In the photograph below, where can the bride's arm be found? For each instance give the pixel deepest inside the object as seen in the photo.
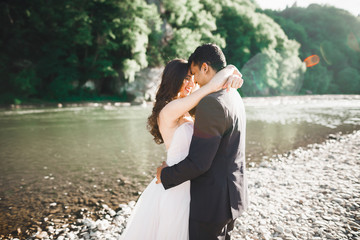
(176, 108)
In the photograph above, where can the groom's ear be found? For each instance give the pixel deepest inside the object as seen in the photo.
(205, 67)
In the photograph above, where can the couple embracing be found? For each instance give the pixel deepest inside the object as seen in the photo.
(201, 188)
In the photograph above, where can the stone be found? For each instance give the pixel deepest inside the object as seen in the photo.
(338, 200)
(42, 235)
(279, 229)
(145, 85)
(112, 212)
(71, 235)
(102, 225)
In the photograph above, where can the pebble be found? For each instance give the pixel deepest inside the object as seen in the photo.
(279, 229)
(42, 235)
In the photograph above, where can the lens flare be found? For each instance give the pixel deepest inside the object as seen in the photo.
(312, 60)
(352, 42)
(323, 53)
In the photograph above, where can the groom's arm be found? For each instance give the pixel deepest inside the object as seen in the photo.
(208, 130)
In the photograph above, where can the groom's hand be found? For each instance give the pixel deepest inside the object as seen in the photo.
(158, 172)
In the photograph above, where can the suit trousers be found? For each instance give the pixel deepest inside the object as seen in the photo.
(210, 231)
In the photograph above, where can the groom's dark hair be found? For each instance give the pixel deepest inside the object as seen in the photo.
(210, 54)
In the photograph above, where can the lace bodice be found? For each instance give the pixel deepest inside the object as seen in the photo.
(180, 143)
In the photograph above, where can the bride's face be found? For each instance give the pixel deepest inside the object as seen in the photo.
(187, 86)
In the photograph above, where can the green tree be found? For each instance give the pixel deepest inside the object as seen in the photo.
(190, 25)
(259, 47)
(333, 34)
(64, 44)
(318, 80)
(348, 80)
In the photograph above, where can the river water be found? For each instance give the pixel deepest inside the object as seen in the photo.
(53, 160)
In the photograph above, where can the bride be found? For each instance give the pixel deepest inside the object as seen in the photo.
(164, 214)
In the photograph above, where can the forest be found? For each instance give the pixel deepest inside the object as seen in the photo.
(77, 50)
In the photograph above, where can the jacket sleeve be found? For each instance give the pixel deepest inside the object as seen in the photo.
(208, 130)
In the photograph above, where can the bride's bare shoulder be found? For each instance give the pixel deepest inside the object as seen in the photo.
(167, 115)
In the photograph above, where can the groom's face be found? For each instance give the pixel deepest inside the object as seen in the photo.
(203, 74)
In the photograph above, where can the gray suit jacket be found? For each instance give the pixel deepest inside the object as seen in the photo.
(216, 161)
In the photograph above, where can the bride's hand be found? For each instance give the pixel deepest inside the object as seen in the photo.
(226, 78)
(234, 81)
(220, 78)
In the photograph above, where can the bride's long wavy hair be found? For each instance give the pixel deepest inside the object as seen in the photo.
(171, 81)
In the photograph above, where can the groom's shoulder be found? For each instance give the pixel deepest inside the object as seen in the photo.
(212, 98)
(209, 108)
(210, 101)
(217, 95)
(224, 97)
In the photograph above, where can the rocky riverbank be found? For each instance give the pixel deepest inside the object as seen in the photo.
(308, 193)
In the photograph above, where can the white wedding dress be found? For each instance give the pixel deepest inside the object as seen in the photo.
(162, 214)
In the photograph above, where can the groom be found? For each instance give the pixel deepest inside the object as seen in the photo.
(216, 161)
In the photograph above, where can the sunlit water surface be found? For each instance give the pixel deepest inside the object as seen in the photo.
(71, 140)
